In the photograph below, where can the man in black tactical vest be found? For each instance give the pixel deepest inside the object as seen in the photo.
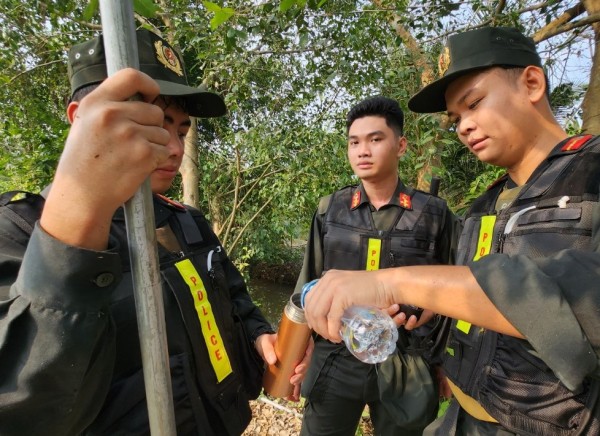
(522, 348)
(69, 351)
(379, 223)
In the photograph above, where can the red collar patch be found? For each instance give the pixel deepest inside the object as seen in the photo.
(355, 200)
(575, 143)
(405, 201)
(172, 203)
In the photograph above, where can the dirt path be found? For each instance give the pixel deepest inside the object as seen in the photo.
(276, 417)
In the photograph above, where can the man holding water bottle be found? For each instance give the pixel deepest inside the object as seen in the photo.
(522, 351)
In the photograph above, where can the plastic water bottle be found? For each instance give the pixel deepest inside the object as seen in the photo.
(369, 333)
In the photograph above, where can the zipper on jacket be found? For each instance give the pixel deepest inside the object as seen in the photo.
(209, 266)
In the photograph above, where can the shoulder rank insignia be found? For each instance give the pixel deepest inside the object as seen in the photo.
(174, 204)
(355, 200)
(405, 201)
(575, 143)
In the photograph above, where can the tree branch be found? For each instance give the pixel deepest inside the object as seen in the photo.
(284, 52)
(487, 22)
(595, 18)
(499, 8)
(252, 184)
(231, 216)
(551, 28)
(533, 7)
(241, 232)
(29, 70)
(412, 45)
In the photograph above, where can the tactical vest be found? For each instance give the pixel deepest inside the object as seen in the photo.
(501, 372)
(350, 238)
(352, 242)
(214, 368)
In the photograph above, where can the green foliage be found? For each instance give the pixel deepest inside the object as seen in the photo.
(146, 8)
(289, 70)
(221, 15)
(33, 84)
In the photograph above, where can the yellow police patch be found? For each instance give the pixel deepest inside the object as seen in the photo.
(210, 331)
(484, 242)
(373, 254)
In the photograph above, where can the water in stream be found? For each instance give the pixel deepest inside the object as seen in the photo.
(271, 298)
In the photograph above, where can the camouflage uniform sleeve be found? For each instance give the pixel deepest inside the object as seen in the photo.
(56, 336)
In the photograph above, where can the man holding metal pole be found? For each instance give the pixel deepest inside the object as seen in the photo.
(69, 352)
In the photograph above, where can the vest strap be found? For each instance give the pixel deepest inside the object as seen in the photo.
(190, 229)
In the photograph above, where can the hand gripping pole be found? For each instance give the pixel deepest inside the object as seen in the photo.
(120, 45)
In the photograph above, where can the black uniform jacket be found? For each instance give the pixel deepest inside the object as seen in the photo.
(69, 351)
(542, 272)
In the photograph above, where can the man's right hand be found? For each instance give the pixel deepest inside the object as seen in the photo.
(114, 144)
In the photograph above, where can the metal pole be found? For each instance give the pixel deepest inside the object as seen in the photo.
(121, 50)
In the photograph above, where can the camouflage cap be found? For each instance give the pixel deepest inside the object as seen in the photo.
(87, 65)
(475, 50)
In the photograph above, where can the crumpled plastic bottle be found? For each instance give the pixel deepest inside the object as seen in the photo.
(369, 333)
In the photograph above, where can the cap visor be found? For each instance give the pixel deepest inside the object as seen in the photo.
(200, 103)
(432, 98)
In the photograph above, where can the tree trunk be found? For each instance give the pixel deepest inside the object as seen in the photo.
(428, 75)
(591, 101)
(189, 167)
(215, 209)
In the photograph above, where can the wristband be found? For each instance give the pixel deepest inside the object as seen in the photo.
(305, 290)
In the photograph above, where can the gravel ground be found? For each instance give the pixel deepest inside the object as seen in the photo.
(277, 417)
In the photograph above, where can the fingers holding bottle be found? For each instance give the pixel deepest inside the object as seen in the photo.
(338, 290)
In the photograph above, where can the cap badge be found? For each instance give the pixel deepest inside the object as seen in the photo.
(444, 61)
(168, 58)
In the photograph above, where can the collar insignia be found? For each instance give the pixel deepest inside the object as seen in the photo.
(172, 203)
(355, 200)
(168, 58)
(444, 61)
(575, 143)
(405, 201)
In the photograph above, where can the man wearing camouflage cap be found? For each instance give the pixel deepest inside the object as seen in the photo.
(522, 351)
(70, 356)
